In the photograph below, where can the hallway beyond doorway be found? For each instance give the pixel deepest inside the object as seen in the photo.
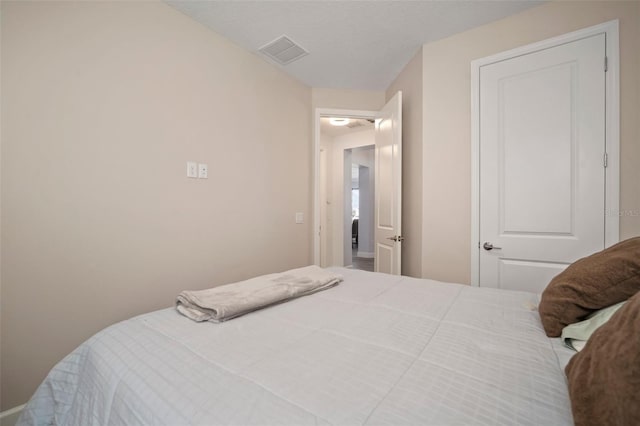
(362, 263)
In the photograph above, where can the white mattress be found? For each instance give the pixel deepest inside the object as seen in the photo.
(376, 350)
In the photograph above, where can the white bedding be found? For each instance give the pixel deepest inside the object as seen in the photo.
(375, 350)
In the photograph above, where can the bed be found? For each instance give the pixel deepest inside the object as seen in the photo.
(376, 349)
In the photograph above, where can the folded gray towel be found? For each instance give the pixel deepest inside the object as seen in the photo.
(232, 300)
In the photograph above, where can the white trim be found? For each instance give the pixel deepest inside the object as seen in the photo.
(13, 413)
(612, 135)
(475, 173)
(612, 130)
(320, 112)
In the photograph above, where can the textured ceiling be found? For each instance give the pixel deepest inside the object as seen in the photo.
(360, 45)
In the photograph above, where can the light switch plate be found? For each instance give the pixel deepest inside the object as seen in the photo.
(299, 217)
(192, 169)
(203, 171)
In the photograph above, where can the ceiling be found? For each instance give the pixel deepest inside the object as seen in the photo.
(359, 45)
(355, 125)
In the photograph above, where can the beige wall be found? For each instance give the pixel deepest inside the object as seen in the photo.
(446, 121)
(347, 99)
(102, 105)
(409, 81)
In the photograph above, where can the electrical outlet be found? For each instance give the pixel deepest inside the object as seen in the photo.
(203, 171)
(192, 169)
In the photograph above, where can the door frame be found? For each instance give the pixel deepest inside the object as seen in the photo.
(323, 112)
(612, 130)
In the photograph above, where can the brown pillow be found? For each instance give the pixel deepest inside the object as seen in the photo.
(604, 378)
(591, 283)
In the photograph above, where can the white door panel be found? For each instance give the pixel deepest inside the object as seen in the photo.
(512, 271)
(542, 142)
(384, 258)
(388, 188)
(536, 156)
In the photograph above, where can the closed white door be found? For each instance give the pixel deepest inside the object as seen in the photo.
(542, 159)
(388, 188)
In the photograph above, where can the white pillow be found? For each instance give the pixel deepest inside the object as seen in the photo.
(575, 335)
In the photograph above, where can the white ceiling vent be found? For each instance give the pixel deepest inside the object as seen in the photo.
(283, 50)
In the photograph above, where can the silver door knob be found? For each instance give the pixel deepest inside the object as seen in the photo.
(396, 238)
(489, 246)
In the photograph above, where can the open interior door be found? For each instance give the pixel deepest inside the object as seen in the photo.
(388, 188)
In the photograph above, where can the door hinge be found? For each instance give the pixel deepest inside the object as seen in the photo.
(606, 64)
(605, 160)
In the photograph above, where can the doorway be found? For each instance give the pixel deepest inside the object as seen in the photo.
(346, 191)
(328, 228)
